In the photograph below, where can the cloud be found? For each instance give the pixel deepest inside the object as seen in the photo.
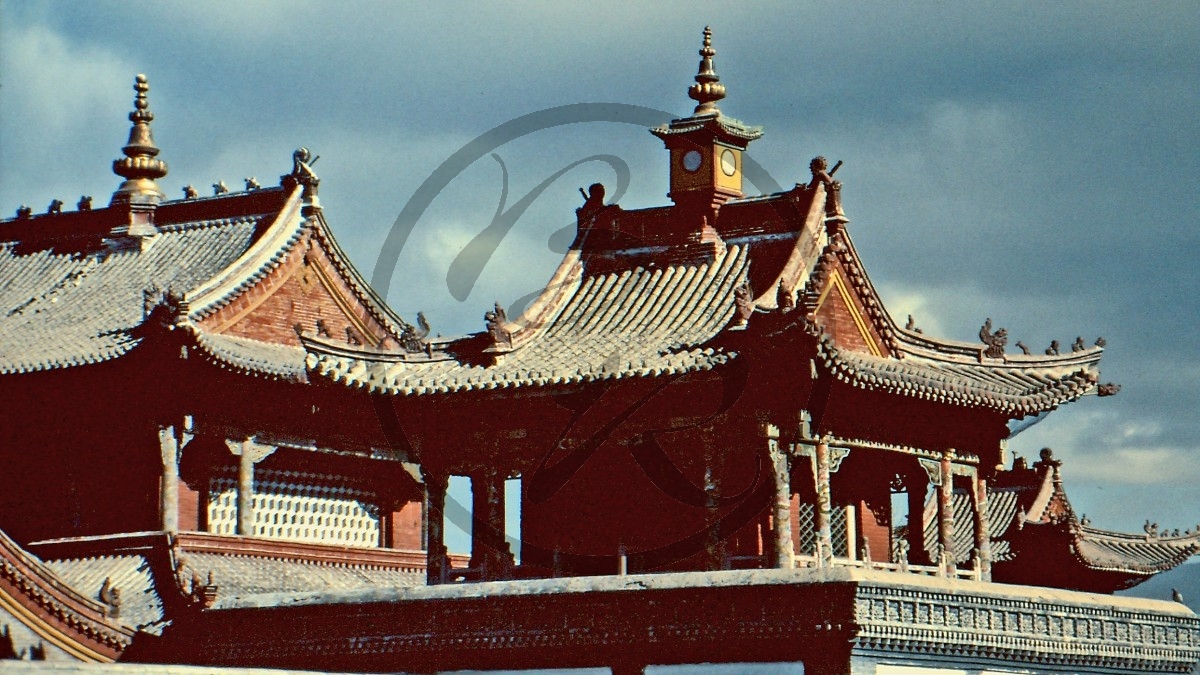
(1100, 448)
(55, 90)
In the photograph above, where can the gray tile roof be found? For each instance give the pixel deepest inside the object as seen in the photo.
(639, 321)
(1015, 386)
(722, 125)
(77, 610)
(236, 575)
(252, 356)
(239, 576)
(1102, 549)
(1002, 506)
(130, 574)
(62, 308)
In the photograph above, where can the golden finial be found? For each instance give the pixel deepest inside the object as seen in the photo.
(139, 167)
(708, 88)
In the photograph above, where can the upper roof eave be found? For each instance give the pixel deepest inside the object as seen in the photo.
(248, 356)
(259, 259)
(1107, 550)
(367, 294)
(1009, 390)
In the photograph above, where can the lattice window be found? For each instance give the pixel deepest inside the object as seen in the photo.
(298, 507)
(806, 530)
(837, 525)
(806, 524)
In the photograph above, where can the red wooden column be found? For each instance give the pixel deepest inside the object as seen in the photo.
(781, 503)
(489, 551)
(983, 537)
(824, 506)
(716, 548)
(946, 514)
(436, 559)
(479, 519)
(917, 484)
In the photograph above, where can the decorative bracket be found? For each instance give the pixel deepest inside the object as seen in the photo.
(933, 469)
(255, 451)
(809, 450)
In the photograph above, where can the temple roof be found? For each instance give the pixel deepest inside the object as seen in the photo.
(638, 321)
(71, 295)
(1002, 507)
(253, 357)
(153, 571)
(1036, 534)
(640, 296)
(1124, 552)
(75, 290)
(1050, 541)
(722, 127)
(1015, 386)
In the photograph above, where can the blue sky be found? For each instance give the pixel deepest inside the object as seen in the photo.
(1034, 163)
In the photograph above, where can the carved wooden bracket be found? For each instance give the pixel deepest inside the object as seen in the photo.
(257, 452)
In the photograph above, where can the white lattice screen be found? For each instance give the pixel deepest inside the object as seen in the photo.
(298, 507)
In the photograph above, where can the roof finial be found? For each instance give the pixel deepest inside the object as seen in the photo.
(139, 167)
(708, 88)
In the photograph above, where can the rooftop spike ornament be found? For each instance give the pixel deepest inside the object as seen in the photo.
(139, 167)
(708, 88)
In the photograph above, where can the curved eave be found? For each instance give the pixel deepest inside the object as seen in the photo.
(388, 378)
(563, 284)
(1009, 389)
(55, 611)
(906, 343)
(370, 299)
(263, 256)
(248, 357)
(1120, 552)
(949, 351)
(81, 359)
(725, 128)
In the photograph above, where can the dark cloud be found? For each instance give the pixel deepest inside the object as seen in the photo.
(1033, 163)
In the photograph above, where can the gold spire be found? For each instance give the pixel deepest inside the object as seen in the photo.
(708, 88)
(139, 167)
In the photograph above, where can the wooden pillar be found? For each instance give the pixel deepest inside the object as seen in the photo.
(918, 490)
(245, 496)
(249, 453)
(824, 507)
(782, 548)
(488, 547)
(502, 558)
(983, 537)
(436, 560)
(716, 549)
(479, 507)
(946, 514)
(168, 444)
